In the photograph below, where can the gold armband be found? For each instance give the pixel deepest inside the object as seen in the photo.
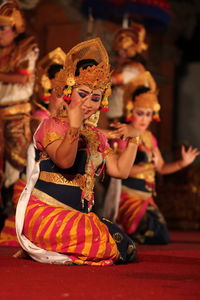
(148, 166)
(107, 152)
(134, 140)
(73, 134)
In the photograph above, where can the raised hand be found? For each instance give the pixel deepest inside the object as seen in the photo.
(188, 156)
(75, 112)
(124, 131)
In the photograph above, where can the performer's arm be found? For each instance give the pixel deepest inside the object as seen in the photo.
(188, 156)
(13, 77)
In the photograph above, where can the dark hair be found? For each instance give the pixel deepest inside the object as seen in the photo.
(84, 64)
(21, 36)
(140, 90)
(53, 69)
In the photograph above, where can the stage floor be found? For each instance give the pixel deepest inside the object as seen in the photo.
(170, 272)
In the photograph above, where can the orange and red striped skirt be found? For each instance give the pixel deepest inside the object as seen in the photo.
(82, 237)
(131, 210)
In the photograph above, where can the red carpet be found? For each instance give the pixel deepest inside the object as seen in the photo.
(170, 272)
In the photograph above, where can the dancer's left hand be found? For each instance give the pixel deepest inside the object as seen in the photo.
(188, 156)
(124, 131)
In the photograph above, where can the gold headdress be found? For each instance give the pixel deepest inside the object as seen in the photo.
(131, 39)
(95, 77)
(147, 99)
(10, 14)
(43, 82)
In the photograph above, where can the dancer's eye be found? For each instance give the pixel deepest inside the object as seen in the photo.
(140, 113)
(96, 98)
(82, 94)
(4, 28)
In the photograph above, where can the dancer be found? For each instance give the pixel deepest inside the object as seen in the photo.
(53, 219)
(45, 103)
(18, 55)
(43, 106)
(138, 214)
(129, 45)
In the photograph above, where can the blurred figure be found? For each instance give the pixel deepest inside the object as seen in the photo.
(44, 100)
(44, 106)
(129, 44)
(138, 214)
(18, 55)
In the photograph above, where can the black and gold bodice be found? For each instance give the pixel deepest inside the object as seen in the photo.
(73, 186)
(143, 181)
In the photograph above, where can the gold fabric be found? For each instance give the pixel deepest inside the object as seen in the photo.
(17, 137)
(16, 134)
(146, 139)
(64, 179)
(94, 159)
(49, 200)
(23, 108)
(95, 77)
(16, 54)
(148, 173)
(51, 137)
(85, 182)
(133, 192)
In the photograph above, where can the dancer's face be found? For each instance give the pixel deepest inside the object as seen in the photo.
(141, 118)
(92, 99)
(7, 35)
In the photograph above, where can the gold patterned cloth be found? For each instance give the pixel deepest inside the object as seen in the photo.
(15, 108)
(138, 214)
(17, 137)
(91, 140)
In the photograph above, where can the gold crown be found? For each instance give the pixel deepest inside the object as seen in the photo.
(147, 99)
(10, 14)
(43, 82)
(143, 79)
(134, 36)
(95, 77)
(57, 56)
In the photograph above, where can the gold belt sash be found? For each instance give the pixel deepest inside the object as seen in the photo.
(64, 179)
(147, 175)
(134, 192)
(84, 182)
(49, 200)
(22, 108)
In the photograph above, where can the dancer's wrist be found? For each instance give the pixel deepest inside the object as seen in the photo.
(73, 134)
(134, 140)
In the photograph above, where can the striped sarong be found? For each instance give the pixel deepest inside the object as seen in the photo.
(131, 210)
(8, 236)
(82, 237)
